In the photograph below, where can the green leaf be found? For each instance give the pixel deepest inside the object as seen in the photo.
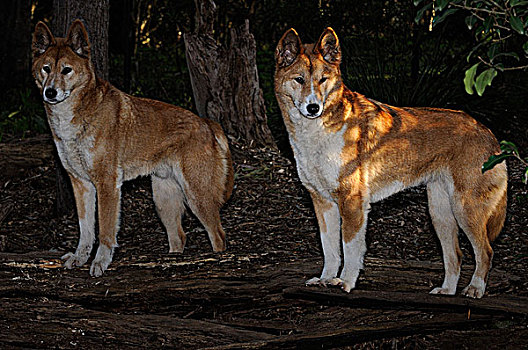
(509, 147)
(443, 16)
(494, 160)
(469, 79)
(517, 24)
(470, 21)
(509, 54)
(474, 50)
(525, 48)
(525, 178)
(12, 114)
(484, 79)
(518, 3)
(417, 2)
(488, 23)
(492, 52)
(421, 12)
(441, 4)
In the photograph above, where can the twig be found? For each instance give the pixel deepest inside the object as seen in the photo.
(472, 9)
(502, 69)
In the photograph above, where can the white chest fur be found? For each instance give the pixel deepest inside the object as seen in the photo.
(74, 148)
(318, 154)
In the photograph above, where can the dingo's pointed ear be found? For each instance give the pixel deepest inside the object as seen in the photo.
(42, 39)
(288, 49)
(77, 39)
(328, 46)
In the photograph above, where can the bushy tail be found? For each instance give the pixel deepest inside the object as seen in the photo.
(226, 155)
(497, 218)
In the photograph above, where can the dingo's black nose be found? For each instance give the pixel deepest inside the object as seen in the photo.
(312, 108)
(50, 93)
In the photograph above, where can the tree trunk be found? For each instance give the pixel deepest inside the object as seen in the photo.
(95, 16)
(15, 23)
(225, 79)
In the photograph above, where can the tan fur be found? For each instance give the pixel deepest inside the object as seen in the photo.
(321, 206)
(105, 137)
(353, 151)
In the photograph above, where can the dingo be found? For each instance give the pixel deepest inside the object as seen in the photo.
(352, 151)
(105, 137)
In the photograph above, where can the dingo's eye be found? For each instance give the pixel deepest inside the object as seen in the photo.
(300, 80)
(66, 70)
(46, 69)
(323, 79)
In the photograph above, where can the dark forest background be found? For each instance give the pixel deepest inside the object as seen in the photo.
(387, 55)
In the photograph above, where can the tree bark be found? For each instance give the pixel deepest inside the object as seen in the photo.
(225, 79)
(95, 16)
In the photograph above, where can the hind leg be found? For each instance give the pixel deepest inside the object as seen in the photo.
(168, 197)
(483, 256)
(201, 175)
(209, 215)
(446, 229)
(475, 228)
(207, 209)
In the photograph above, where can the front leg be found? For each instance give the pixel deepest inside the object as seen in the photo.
(84, 192)
(327, 213)
(108, 200)
(354, 210)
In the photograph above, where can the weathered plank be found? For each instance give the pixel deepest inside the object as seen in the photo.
(50, 324)
(517, 306)
(322, 337)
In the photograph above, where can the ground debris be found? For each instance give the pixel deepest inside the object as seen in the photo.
(252, 295)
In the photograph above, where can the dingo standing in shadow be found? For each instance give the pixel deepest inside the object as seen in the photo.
(105, 137)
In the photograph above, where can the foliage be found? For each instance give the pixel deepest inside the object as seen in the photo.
(22, 112)
(387, 55)
(508, 150)
(415, 70)
(161, 73)
(500, 30)
(152, 45)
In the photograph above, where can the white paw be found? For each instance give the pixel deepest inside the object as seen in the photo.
(444, 291)
(72, 260)
(473, 292)
(316, 281)
(347, 286)
(103, 258)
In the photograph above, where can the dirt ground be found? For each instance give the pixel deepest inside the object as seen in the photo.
(252, 295)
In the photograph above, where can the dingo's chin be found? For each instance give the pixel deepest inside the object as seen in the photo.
(310, 116)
